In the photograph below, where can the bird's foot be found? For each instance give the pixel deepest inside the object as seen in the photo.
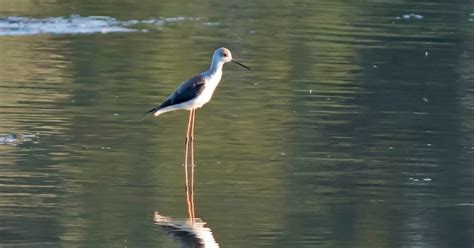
(188, 165)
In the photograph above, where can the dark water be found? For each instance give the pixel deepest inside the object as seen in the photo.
(355, 127)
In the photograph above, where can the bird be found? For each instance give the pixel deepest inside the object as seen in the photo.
(195, 93)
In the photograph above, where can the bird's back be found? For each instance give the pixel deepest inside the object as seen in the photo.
(187, 91)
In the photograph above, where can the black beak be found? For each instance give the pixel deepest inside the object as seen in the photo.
(244, 66)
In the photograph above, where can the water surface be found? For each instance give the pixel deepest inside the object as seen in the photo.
(354, 129)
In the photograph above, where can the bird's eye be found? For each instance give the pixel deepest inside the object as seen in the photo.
(225, 55)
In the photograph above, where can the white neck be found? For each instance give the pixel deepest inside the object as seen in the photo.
(216, 67)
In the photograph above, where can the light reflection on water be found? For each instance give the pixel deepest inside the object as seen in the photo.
(76, 24)
(354, 128)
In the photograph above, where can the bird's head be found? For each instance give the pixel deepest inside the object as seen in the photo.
(224, 55)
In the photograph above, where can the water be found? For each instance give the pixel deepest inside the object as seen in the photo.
(354, 129)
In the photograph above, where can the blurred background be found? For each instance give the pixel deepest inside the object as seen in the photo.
(355, 127)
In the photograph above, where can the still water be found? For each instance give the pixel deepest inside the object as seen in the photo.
(355, 127)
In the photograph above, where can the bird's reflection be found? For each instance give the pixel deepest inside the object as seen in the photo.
(190, 232)
(187, 233)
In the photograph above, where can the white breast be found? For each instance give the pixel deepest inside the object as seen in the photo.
(211, 84)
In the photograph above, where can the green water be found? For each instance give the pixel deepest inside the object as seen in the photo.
(355, 127)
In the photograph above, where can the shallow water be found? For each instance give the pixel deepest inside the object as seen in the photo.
(354, 129)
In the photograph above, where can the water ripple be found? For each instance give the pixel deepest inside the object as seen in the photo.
(15, 139)
(76, 24)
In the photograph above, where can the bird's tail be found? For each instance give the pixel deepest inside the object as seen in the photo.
(151, 110)
(157, 111)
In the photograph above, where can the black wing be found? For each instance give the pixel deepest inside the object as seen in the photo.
(188, 90)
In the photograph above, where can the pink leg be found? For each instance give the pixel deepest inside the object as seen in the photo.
(187, 188)
(186, 145)
(192, 136)
(192, 162)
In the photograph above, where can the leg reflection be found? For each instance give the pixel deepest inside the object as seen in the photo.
(192, 232)
(190, 203)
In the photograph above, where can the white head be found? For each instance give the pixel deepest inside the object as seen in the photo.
(223, 55)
